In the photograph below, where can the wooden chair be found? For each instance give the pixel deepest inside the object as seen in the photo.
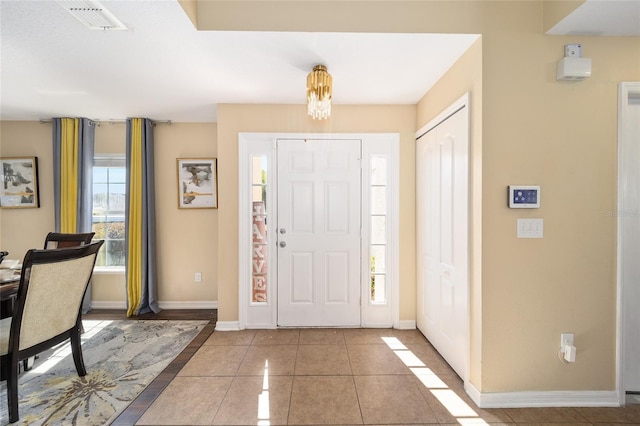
(55, 240)
(48, 310)
(61, 240)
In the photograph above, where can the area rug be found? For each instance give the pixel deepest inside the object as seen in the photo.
(121, 357)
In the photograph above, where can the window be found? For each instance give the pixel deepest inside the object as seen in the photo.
(109, 184)
(378, 239)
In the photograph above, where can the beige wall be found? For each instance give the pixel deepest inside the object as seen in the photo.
(186, 239)
(562, 136)
(234, 119)
(23, 229)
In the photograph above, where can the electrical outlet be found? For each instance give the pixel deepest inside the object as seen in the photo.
(567, 348)
(198, 277)
(566, 339)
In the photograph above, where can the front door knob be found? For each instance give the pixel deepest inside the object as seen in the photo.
(283, 244)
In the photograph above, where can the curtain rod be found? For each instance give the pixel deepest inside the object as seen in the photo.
(98, 122)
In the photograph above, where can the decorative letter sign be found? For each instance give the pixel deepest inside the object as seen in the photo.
(259, 254)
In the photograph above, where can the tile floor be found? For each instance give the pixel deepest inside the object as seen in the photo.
(339, 377)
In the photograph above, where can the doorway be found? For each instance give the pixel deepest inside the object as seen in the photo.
(318, 230)
(442, 176)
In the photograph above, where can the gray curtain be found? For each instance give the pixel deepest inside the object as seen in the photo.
(141, 278)
(84, 207)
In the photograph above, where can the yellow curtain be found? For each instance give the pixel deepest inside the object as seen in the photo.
(69, 175)
(134, 257)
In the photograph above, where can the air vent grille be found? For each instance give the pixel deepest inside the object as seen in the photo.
(92, 14)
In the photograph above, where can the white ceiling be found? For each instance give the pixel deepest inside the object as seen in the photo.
(162, 68)
(601, 17)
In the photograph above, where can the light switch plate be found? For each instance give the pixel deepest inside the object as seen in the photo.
(530, 228)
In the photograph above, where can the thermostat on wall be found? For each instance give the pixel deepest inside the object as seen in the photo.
(524, 197)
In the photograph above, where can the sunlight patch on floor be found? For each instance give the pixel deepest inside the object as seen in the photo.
(63, 350)
(263, 398)
(464, 414)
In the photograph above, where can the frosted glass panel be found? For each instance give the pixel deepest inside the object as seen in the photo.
(259, 179)
(259, 170)
(378, 259)
(378, 200)
(378, 229)
(378, 288)
(378, 171)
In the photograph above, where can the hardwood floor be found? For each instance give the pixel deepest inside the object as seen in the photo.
(138, 407)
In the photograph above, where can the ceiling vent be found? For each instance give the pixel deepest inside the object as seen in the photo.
(92, 14)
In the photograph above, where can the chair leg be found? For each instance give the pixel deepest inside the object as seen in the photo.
(12, 390)
(76, 350)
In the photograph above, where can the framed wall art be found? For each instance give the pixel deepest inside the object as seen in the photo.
(197, 183)
(19, 182)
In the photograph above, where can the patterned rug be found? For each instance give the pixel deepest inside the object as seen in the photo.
(121, 357)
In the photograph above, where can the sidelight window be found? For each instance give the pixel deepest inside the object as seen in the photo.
(379, 235)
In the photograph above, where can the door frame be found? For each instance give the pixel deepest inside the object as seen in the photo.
(263, 315)
(625, 89)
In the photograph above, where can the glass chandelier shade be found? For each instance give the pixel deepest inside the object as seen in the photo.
(319, 85)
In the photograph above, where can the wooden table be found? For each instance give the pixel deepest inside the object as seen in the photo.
(8, 294)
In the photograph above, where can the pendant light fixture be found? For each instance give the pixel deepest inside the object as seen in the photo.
(319, 85)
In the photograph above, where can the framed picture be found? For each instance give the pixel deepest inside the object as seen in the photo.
(197, 183)
(19, 182)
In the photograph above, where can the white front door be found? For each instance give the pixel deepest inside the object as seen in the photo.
(442, 237)
(318, 232)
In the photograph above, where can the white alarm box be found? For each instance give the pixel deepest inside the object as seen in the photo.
(572, 68)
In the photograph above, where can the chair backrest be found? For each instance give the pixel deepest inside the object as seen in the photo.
(61, 240)
(52, 286)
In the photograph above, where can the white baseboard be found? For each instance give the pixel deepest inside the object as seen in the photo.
(406, 325)
(213, 304)
(227, 326)
(542, 398)
(97, 304)
(261, 326)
